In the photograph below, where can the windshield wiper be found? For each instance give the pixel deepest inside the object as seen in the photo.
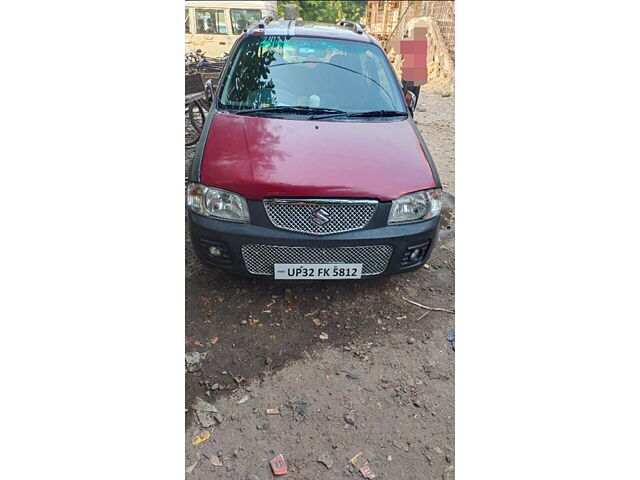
(289, 109)
(372, 113)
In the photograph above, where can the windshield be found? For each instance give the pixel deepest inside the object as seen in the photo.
(276, 71)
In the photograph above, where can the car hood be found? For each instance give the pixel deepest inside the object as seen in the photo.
(261, 157)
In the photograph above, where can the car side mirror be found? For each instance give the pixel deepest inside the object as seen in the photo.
(410, 100)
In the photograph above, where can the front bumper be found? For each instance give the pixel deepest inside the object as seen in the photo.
(229, 239)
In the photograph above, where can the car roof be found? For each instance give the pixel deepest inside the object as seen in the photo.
(310, 29)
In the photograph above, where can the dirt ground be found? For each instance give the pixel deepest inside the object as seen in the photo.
(350, 365)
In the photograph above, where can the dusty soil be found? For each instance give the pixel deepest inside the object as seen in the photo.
(381, 383)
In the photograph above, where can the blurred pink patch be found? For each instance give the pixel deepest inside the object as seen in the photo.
(414, 56)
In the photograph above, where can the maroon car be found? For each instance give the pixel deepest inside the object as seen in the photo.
(310, 165)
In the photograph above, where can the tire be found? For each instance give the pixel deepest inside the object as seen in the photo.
(205, 104)
(194, 123)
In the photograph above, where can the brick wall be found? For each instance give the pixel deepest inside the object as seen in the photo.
(445, 15)
(389, 20)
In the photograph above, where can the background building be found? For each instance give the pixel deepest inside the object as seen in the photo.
(391, 20)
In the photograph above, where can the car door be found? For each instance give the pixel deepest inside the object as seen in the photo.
(212, 31)
(189, 29)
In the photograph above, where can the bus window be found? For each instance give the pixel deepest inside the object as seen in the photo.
(210, 21)
(241, 18)
(186, 21)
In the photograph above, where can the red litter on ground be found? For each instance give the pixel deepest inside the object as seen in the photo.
(366, 472)
(278, 466)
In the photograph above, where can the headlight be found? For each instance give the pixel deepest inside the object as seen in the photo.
(416, 206)
(217, 203)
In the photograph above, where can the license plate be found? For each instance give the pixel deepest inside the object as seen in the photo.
(310, 271)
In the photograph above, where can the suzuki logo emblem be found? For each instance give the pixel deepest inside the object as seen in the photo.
(321, 216)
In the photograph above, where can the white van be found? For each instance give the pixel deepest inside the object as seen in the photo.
(214, 26)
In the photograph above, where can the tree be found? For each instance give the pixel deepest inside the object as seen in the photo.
(327, 12)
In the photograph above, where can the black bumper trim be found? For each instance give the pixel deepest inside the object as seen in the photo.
(206, 230)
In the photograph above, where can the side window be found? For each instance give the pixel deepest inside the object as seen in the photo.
(241, 18)
(186, 21)
(210, 21)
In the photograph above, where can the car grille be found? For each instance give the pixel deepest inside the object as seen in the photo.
(320, 217)
(260, 259)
